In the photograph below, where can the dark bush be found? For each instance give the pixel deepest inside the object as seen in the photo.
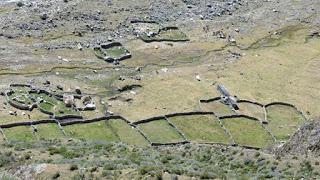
(20, 4)
(73, 167)
(56, 175)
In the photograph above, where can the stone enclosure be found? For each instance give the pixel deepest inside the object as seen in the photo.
(112, 52)
(254, 125)
(150, 31)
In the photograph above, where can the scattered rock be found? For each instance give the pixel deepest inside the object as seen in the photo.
(305, 141)
(198, 77)
(44, 16)
(60, 87)
(220, 34)
(79, 46)
(133, 92)
(65, 60)
(13, 113)
(109, 112)
(110, 38)
(231, 40)
(129, 87)
(86, 100)
(164, 70)
(47, 82)
(90, 106)
(121, 78)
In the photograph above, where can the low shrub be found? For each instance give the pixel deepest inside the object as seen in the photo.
(56, 175)
(73, 167)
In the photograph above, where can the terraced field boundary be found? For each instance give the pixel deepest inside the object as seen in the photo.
(289, 105)
(71, 121)
(264, 122)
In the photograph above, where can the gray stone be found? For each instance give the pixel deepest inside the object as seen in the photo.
(60, 87)
(68, 100)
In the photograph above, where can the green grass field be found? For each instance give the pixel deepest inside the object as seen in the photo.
(46, 106)
(115, 52)
(283, 121)
(21, 133)
(1, 137)
(201, 129)
(217, 107)
(49, 131)
(248, 132)
(61, 109)
(97, 131)
(126, 133)
(160, 132)
(251, 110)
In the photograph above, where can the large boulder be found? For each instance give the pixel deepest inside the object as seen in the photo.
(68, 100)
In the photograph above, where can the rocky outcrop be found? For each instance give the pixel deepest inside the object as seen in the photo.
(305, 141)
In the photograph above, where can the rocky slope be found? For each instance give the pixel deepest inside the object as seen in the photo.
(306, 141)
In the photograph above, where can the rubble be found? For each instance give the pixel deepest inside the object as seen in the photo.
(68, 100)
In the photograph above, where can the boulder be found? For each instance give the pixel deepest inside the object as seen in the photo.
(90, 106)
(86, 100)
(68, 100)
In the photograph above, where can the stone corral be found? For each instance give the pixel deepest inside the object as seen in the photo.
(169, 33)
(58, 106)
(112, 52)
(237, 128)
(150, 31)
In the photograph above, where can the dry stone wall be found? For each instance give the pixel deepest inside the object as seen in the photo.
(71, 120)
